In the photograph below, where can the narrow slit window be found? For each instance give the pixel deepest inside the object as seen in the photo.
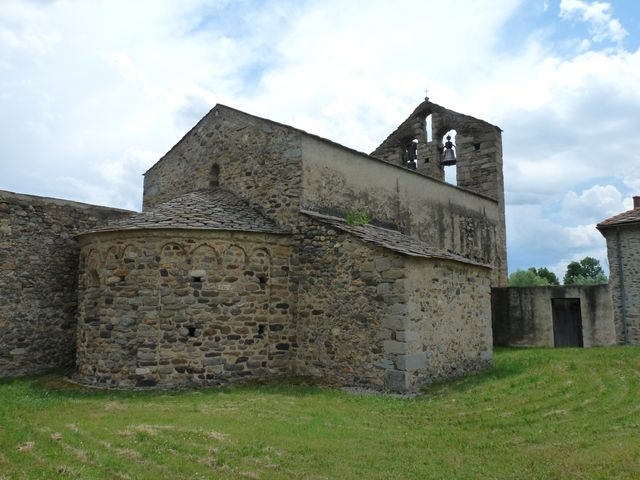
(214, 176)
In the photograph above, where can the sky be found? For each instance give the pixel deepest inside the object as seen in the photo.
(93, 92)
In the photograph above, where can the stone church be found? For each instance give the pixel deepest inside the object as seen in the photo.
(263, 250)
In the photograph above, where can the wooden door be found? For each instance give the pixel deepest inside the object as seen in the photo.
(567, 322)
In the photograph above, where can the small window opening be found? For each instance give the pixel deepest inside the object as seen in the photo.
(476, 146)
(429, 127)
(94, 278)
(192, 331)
(214, 176)
(260, 329)
(196, 279)
(262, 279)
(410, 155)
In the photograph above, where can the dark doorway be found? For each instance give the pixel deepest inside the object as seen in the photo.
(567, 322)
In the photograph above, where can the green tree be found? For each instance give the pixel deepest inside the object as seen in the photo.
(544, 272)
(526, 278)
(585, 272)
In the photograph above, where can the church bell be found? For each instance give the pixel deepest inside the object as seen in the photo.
(449, 156)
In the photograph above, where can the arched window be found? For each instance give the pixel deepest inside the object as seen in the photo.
(449, 156)
(429, 127)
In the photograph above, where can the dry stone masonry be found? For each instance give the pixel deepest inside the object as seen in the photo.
(176, 308)
(38, 279)
(242, 263)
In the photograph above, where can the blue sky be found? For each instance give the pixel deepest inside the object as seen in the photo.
(92, 93)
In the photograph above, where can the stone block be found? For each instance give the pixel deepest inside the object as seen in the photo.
(412, 361)
(399, 308)
(383, 264)
(383, 288)
(384, 363)
(393, 346)
(395, 322)
(397, 381)
(393, 274)
(407, 336)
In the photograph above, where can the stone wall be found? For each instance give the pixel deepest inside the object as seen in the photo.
(627, 249)
(443, 216)
(38, 279)
(348, 294)
(183, 308)
(254, 158)
(370, 316)
(448, 329)
(523, 316)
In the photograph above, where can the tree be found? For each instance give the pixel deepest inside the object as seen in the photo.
(526, 278)
(544, 272)
(585, 272)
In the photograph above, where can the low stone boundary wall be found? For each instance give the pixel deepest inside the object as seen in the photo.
(38, 279)
(523, 316)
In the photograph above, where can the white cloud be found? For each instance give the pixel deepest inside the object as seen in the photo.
(567, 121)
(537, 241)
(360, 72)
(594, 204)
(597, 14)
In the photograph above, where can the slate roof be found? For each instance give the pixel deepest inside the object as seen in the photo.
(392, 239)
(215, 209)
(630, 216)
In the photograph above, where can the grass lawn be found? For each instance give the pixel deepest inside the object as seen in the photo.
(539, 413)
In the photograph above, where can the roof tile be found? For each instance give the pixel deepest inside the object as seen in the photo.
(215, 209)
(392, 239)
(630, 216)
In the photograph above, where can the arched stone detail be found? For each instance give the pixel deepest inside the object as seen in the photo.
(260, 256)
(234, 257)
(172, 252)
(130, 254)
(112, 257)
(205, 254)
(92, 270)
(205, 265)
(259, 265)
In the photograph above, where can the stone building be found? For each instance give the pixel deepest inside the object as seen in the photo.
(246, 261)
(622, 233)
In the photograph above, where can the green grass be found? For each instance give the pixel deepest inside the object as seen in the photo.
(540, 413)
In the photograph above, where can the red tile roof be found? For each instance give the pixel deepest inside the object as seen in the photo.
(630, 216)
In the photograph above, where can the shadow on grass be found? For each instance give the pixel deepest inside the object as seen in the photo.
(57, 384)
